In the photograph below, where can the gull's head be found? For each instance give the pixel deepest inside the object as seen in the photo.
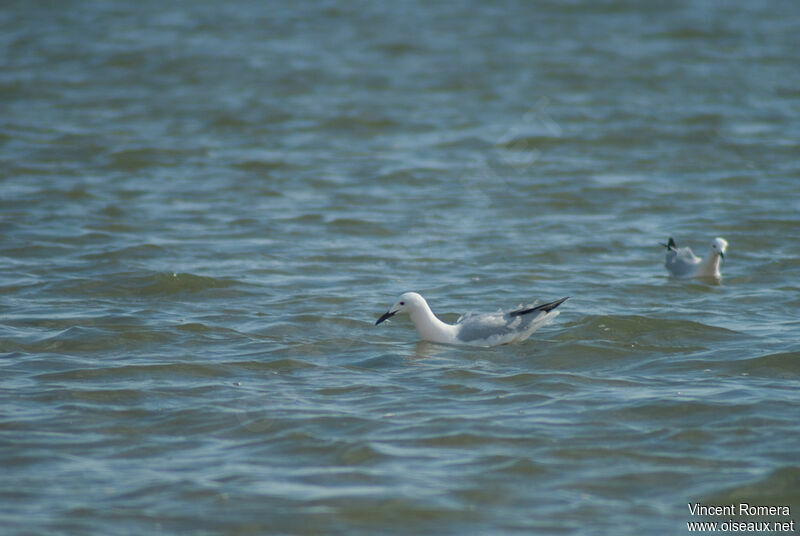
(407, 303)
(718, 246)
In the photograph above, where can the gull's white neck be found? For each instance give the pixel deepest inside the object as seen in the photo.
(709, 267)
(431, 328)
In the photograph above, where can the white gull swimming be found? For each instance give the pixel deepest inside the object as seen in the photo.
(683, 263)
(484, 329)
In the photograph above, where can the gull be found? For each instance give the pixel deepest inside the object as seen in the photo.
(485, 329)
(682, 263)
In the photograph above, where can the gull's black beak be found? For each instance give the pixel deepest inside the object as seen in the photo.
(721, 254)
(384, 316)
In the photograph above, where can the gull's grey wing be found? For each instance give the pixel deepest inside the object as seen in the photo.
(475, 327)
(504, 326)
(681, 261)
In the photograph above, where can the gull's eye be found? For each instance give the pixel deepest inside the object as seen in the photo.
(402, 303)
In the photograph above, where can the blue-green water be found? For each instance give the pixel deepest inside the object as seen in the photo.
(205, 207)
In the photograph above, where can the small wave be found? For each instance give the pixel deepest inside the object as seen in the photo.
(654, 333)
(132, 372)
(358, 123)
(139, 251)
(185, 282)
(282, 365)
(76, 193)
(527, 143)
(152, 284)
(464, 142)
(225, 121)
(781, 487)
(261, 166)
(73, 340)
(396, 49)
(779, 365)
(358, 227)
(137, 159)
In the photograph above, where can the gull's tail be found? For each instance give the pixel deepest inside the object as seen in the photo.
(545, 307)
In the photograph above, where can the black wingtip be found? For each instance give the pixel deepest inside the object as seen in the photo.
(546, 307)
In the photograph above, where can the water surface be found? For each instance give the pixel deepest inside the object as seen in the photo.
(206, 207)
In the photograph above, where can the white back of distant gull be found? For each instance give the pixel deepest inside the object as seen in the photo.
(683, 263)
